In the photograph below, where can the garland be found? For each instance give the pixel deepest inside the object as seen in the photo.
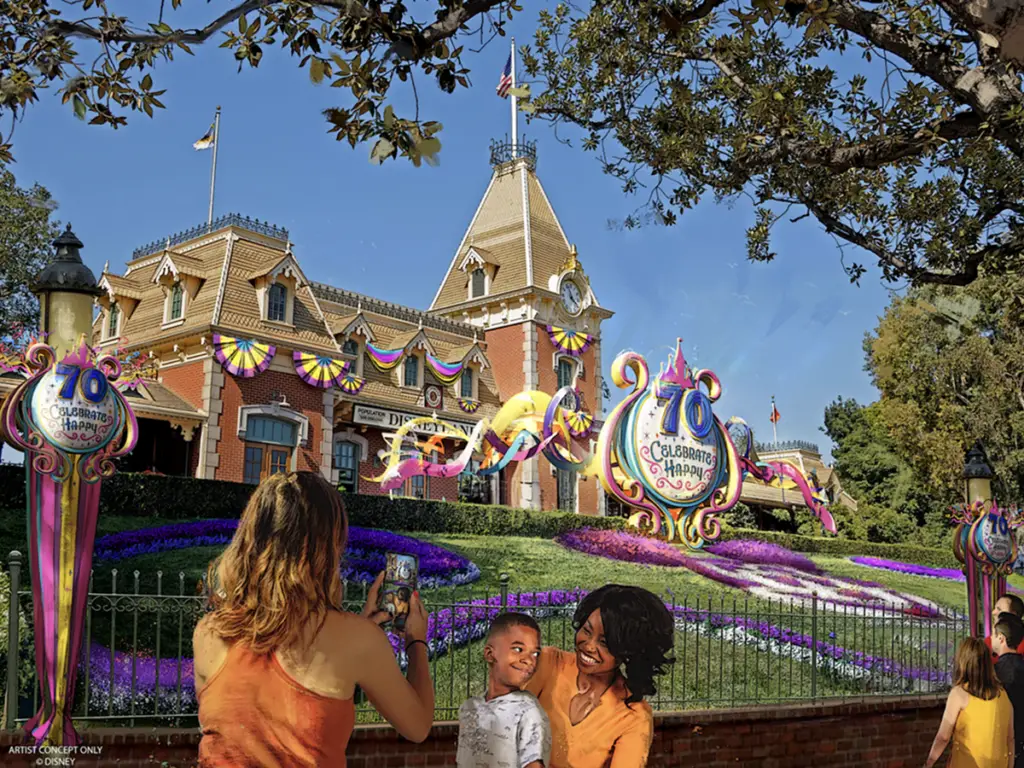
(573, 343)
(446, 373)
(242, 357)
(384, 359)
(317, 371)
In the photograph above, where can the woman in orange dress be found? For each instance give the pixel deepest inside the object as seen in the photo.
(595, 696)
(277, 660)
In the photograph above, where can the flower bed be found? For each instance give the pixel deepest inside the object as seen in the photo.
(364, 556)
(763, 553)
(452, 628)
(619, 545)
(952, 574)
(750, 570)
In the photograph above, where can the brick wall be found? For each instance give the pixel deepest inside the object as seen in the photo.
(879, 733)
(260, 390)
(186, 381)
(505, 354)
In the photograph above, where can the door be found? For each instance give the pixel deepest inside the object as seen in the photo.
(566, 490)
(262, 461)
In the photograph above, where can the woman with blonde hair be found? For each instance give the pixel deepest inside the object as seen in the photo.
(277, 660)
(978, 717)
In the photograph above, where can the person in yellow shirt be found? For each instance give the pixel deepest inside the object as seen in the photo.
(595, 697)
(978, 717)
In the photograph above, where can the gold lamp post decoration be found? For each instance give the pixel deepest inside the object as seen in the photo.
(984, 541)
(66, 289)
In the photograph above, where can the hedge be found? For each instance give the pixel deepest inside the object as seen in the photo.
(138, 495)
(908, 553)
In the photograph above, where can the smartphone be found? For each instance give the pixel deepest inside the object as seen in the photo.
(401, 572)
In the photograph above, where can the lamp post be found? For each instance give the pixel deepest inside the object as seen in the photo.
(66, 289)
(978, 475)
(71, 422)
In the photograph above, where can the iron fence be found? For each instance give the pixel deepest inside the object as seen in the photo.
(136, 661)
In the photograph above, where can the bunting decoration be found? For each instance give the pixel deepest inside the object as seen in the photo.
(467, 405)
(318, 371)
(242, 357)
(446, 373)
(384, 359)
(351, 384)
(72, 423)
(579, 423)
(572, 343)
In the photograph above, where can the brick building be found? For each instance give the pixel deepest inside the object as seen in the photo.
(227, 318)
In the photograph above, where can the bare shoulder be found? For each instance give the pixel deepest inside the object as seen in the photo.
(208, 649)
(351, 632)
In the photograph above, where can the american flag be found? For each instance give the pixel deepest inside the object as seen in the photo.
(506, 78)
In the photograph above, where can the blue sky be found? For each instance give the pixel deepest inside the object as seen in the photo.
(792, 328)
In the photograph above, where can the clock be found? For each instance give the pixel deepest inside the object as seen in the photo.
(572, 297)
(433, 396)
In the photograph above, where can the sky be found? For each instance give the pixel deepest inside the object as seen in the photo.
(792, 328)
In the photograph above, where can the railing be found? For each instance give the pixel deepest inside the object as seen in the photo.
(505, 151)
(728, 652)
(228, 220)
(787, 445)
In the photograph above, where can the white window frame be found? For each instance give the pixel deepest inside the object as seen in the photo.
(475, 394)
(287, 302)
(107, 335)
(420, 360)
(169, 303)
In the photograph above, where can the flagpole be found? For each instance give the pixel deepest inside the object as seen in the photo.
(515, 104)
(213, 170)
(775, 435)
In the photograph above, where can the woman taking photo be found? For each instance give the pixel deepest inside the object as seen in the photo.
(978, 717)
(595, 697)
(277, 660)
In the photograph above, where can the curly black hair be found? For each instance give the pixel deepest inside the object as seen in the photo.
(638, 630)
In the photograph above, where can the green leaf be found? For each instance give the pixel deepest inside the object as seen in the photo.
(520, 91)
(79, 106)
(381, 151)
(316, 71)
(528, 107)
(389, 117)
(428, 147)
(147, 83)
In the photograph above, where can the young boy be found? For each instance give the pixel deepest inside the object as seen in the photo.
(506, 728)
(1007, 636)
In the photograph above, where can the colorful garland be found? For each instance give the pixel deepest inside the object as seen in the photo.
(384, 359)
(242, 357)
(468, 405)
(446, 373)
(317, 371)
(573, 343)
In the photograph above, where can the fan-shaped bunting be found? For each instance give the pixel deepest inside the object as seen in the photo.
(572, 343)
(467, 405)
(579, 423)
(242, 357)
(351, 384)
(318, 371)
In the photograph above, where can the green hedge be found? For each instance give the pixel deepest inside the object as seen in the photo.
(137, 495)
(907, 553)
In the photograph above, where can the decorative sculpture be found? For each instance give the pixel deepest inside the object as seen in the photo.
(985, 542)
(71, 421)
(662, 450)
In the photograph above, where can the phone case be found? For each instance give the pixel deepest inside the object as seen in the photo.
(400, 576)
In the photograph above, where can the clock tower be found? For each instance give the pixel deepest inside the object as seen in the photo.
(516, 276)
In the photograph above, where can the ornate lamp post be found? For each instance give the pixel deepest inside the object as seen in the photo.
(71, 421)
(984, 541)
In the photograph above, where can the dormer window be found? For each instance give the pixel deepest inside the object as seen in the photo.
(411, 371)
(113, 321)
(175, 302)
(479, 283)
(277, 303)
(466, 385)
(350, 347)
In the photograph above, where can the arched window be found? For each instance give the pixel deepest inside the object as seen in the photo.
(277, 303)
(479, 282)
(113, 319)
(346, 460)
(466, 388)
(177, 301)
(566, 376)
(411, 371)
(350, 347)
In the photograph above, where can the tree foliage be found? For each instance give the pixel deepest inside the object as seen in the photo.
(26, 237)
(104, 64)
(950, 366)
(895, 124)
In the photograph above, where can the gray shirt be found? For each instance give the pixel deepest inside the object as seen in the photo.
(510, 731)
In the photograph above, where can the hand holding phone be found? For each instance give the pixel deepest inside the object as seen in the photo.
(401, 575)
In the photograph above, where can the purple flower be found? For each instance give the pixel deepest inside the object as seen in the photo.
(364, 555)
(763, 553)
(619, 545)
(912, 568)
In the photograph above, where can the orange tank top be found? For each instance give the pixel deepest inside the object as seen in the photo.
(253, 714)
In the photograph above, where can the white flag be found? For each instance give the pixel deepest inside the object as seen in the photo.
(207, 141)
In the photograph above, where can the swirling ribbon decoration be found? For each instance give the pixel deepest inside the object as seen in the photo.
(319, 371)
(242, 357)
(82, 424)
